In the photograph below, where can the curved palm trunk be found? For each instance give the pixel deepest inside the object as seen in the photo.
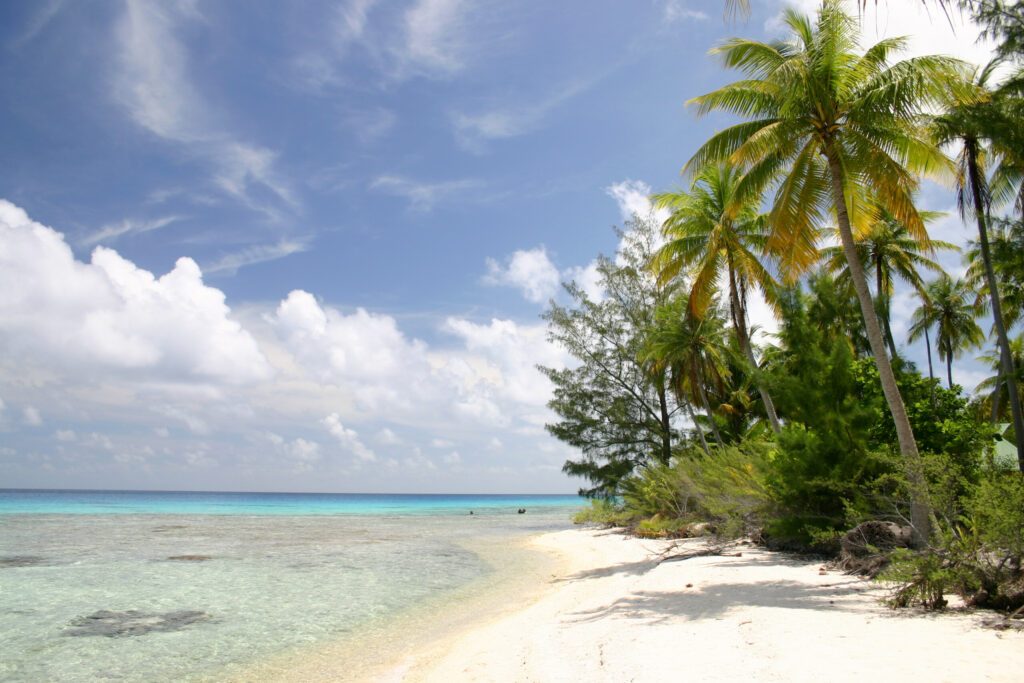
(920, 512)
(1005, 357)
(738, 305)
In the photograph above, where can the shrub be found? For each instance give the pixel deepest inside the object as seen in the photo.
(604, 513)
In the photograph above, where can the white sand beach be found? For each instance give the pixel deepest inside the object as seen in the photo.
(600, 606)
(613, 613)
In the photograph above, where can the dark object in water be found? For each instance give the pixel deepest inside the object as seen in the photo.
(133, 622)
(22, 561)
(521, 511)
(190, 558)
(470, 512)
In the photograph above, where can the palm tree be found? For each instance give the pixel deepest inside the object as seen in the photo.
(826, 120)
(888, 249)
(968, 120)
(952, 311)
(693, 351)
(711, 235)
(995, 385)
(920, 322)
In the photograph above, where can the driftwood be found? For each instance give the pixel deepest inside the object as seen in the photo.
(712, 550)
(865, 548)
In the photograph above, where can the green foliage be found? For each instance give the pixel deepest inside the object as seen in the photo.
(612, 406)
(662, 527)
(942, 419)
(996, 511)
(823, 464)
(726, 488)
(604, 513)
(921, 578)
(979, 556)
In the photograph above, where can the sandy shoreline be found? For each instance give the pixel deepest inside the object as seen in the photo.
(598, 606)
(612, 613)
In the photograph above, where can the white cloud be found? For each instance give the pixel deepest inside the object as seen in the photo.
(260, 253)
(473, 130)
(421, 195)
(386, 437)
(348, 438)
(634, 199)
(153, 85)
(111, 314)
(452, 458)
(531, 271)
(676, 10)
(31, 417)
(434, 36)
(115, 230)
(509, 353)
(302, 450)
(65, 435)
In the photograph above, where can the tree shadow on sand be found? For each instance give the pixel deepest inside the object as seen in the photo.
(714, 601)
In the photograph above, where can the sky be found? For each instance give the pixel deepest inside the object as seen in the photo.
(305, 246)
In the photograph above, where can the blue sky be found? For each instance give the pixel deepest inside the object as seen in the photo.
(304, 246)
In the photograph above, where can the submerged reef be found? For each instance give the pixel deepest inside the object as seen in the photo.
(133, 622)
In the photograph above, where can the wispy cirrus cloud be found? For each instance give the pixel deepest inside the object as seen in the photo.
(152, 84)
(429, 39)
(44, 14)
(260, 253)
(112, 231)
(473, 131)
(677, 10)
(422, 196)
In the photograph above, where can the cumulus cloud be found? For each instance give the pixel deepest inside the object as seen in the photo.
(109, 313)
(348, 438)
(531, 271)
(634, 199)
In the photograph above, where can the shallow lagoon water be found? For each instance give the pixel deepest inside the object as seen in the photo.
(87, 596)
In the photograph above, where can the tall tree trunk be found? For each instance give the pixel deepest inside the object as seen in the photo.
(707, 407)
(920, 512)
(931, 372)
(883, 309)
(696, 427)
(949, 363)
(1005, 355)
(739, 304)
(666, 426)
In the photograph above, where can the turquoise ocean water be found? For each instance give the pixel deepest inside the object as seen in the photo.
(156, 586)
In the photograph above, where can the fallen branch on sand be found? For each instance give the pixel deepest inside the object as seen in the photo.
(711, 550)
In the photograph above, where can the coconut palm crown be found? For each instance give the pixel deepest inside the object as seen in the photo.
(707, 236)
